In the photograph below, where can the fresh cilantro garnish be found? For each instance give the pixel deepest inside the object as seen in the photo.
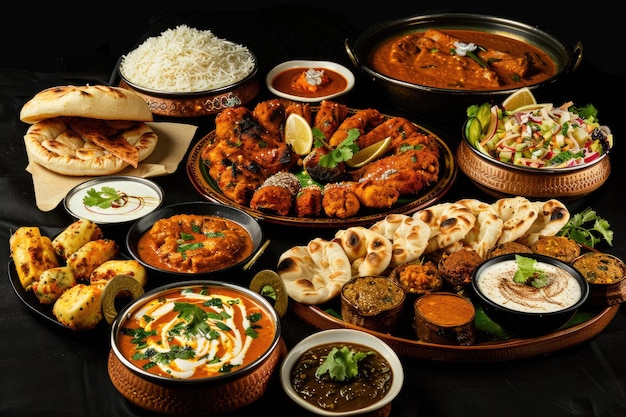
(343, 152)
(578, 228)
(527, 273)
(588, 112)
(103, 198)
(341, 364)
(194, 316)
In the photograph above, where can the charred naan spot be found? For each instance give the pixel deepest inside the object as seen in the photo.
(448, 223)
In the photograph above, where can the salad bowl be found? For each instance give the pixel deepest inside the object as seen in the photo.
(535, 151)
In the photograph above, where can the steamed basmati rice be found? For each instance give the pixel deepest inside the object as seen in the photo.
(185, 59)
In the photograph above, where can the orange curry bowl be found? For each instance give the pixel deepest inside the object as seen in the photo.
(442, 90)
(195, 239)
(195, 348)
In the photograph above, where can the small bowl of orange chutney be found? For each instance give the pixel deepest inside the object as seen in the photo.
(194, 239)
(195, 348)
(309, 81)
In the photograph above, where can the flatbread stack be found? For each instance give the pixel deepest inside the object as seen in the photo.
(88, 130)
(314, 274)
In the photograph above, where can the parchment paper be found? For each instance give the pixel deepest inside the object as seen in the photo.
(174, 139)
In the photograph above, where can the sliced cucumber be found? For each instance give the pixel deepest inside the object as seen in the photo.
(483, 114)
(473, 130)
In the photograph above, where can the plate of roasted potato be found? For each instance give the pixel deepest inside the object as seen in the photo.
(247, 163)
(64, 277)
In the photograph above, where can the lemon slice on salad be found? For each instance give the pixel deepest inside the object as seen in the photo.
(370, 153)
(298, 134)
(522, 97)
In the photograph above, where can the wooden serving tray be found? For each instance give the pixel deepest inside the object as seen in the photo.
(482, 351)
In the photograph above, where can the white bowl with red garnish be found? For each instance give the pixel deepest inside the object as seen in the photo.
(309, 81)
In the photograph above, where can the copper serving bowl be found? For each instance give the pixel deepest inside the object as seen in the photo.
(421, 99)
(216, 393)
(196, 104)
(500, 179)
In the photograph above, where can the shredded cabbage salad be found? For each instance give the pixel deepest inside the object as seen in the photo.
(541, 136)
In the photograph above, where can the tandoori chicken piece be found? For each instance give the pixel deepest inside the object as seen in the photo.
(408, 172)
(340, 201)
(396, 128)
(243, 154)
(329, 117)
(376, 194)
(362, 119)
(237, 127)
(271, 115)
(302, 109)
(309, 201)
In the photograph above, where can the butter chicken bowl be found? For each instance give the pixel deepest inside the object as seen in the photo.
(194, 239)
(393, 54)
(195, 348)
(529, 294)
(313, 376)
(189, 72)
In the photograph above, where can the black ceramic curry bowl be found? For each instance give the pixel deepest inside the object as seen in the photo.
(249, 223)
(529, 323)
(420, 99)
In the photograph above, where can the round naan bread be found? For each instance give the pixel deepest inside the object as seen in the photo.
(369, 252)
(93, 101)
(315, 273)
(53, 144)
(408, 235)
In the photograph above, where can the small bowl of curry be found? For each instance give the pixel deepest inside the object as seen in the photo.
(311, 374)
(194, 239)
(309, 81)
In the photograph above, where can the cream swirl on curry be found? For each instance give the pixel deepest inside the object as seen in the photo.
(196, 333)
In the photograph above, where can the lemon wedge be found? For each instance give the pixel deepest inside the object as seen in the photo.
(372, 152)
(298, 134)
(522, 97)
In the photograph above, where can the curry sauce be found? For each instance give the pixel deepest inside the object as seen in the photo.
(462, 60)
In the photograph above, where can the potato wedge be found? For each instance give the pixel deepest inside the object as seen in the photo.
(75, 236)
(91, 255)
(79, 308)
(52, 283)
(110, 269)
(32, 254)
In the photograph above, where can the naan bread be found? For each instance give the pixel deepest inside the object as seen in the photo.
(315, 273)
(369, 252)
(408, 235)
(53, 144)
(448, 223)
(92, 101)
(518, 215)
(552, 216)
(487, 229)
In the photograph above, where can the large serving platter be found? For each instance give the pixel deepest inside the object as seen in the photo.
(585, 325)
(199, 175)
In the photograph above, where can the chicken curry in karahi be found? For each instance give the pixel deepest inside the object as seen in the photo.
(462, 60)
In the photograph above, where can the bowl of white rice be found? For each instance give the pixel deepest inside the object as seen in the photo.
(188, 72)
